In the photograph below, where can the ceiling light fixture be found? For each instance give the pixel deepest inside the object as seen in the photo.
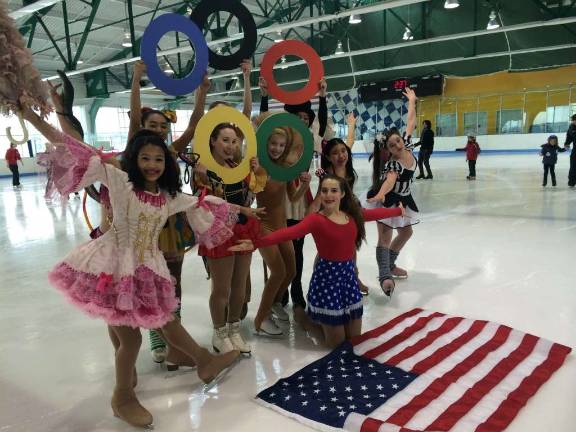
(127, 42)
(278, 38)
(493, 23)
(339, 49)
(355, 19)
(283, 62)
(451, 4)
(407, 34)
(167, 69)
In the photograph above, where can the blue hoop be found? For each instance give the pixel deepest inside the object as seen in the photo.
(150, 39)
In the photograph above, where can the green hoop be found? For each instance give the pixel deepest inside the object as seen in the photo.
(281, 173)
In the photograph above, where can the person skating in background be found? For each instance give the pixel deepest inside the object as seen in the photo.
(426, 144)
(571, 139)
(472, 150)
(549, 153)
(12, 157)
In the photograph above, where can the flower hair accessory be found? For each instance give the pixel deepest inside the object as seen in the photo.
(170, 115)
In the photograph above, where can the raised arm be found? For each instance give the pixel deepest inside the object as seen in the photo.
(63, 117)
(322, 108)
(182, 142)
(246, 70)
(135, 102)
(411, 121)
(351, 137)
(263, 95)
(285, 234)
(46, 129)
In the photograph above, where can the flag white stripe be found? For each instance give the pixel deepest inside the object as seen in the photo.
(455, 391)
(432, 325)
(372, 343)
(423, 381)
(462, 327)
(490, 403)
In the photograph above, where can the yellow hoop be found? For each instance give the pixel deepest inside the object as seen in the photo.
(214, 117)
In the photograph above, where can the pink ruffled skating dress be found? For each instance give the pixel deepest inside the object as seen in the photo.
(122, 276)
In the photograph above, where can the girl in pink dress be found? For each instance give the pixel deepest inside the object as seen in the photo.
(122, 277)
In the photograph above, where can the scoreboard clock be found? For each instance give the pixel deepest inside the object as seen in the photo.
(423, 86)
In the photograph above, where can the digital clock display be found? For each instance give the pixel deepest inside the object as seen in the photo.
(385, 90)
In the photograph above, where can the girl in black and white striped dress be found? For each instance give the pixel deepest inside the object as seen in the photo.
(391, 186)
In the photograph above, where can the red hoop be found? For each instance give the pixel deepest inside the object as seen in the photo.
(306, 53)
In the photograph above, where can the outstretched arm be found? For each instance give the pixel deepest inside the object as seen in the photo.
(385, 188)
(246, 70)
(371, 215)
(135, 102)
(411, 121)
(200, 101)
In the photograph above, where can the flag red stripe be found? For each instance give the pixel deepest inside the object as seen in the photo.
(439, 386)
(473, 395)
(401, 337)
(371, 425)
(441, 354)
(374, 333)
(507, 411)
(446, 327)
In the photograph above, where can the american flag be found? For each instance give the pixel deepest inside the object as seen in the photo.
(422, 371)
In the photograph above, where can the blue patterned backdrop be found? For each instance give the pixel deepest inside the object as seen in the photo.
(372, 117)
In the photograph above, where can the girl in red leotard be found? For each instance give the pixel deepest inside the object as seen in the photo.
(334, 299)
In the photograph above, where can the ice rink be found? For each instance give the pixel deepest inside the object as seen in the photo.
(501, 248)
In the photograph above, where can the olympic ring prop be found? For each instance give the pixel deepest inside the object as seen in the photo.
(152, 35)
(278, 172)
(227, 62)
(306, 53)
(214, 117)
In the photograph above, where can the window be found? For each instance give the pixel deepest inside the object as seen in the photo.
(476, 122)
(510, 121)
(557, 118)
(446, 124)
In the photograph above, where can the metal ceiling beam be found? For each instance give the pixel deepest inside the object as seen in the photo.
(80, 48)
(405, 45)
(423, 64)
(34, 7)
(361, 10)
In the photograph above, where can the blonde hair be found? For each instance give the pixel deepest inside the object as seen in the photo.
(289, 136)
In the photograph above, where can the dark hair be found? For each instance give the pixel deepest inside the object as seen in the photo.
(428, 124)
(349, 205)
(147, 112)
(325, 163)
(170, 178)
(380, 155)
(573, 117)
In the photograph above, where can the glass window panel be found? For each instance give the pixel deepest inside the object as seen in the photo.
(446, 124)
(475, 122)
(535, 108)
(558, 112)
(510, 121)
(490, 105)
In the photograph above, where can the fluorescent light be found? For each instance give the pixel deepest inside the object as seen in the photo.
(278, 37)
(167, 69)
(127, 42)
(339, 49)
(451, 4)
(283, 62)
(79, 62)
(493, 23)
(407, 34)
(355, 19)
